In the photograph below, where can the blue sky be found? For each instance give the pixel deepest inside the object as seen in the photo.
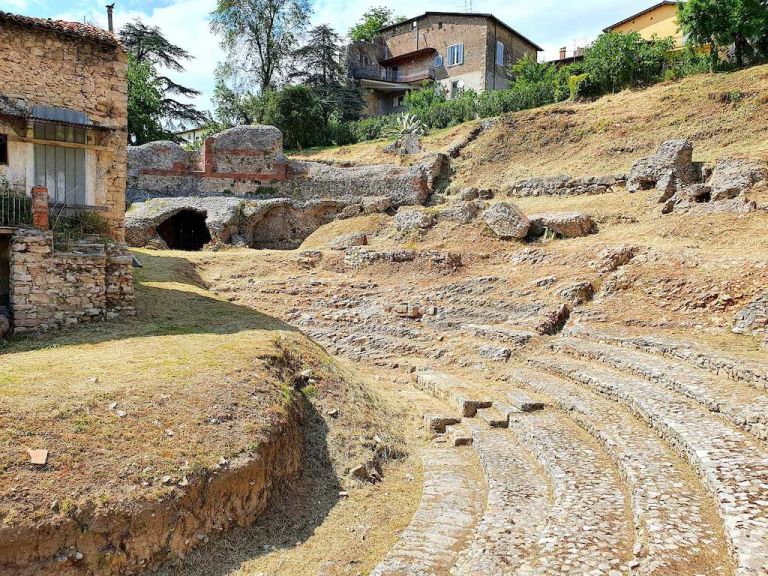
(549, 23)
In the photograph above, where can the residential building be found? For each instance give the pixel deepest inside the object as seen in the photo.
(659, 20)
(63, 114)
(193, 136)
(63, 141)
(456, 49)
(565, 58)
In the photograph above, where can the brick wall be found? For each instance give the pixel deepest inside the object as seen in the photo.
(51, 289)
(46, 68)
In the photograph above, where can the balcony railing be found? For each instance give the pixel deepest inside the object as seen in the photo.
(15, 208)
(404, 76)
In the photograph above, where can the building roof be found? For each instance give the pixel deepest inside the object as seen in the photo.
(641, 13)
(465, 14)
(63, 27)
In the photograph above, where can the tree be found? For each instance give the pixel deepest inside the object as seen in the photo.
(297, 113)
(145, 110)
(259, 37)
(372, 21)
(742, 23)
(318, 65)
(149, 48)
(617, 60)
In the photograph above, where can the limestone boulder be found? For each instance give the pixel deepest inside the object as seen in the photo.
(564, 224)
(506, 221)
(753, 318)
(349, 240)
(413, 220)
(733, 176)
(405, 145)
(577, 293)
(669, 170)
(460, 212)
(375, 204)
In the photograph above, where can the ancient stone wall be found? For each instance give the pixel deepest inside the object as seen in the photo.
(50, 289)
(77, 67)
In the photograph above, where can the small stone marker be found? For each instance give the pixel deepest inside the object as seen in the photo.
(38, 457)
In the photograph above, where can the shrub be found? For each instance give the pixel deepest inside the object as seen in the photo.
(579, 86)
(686, 63)
(297, 112)
(341, 133)
(404, 125)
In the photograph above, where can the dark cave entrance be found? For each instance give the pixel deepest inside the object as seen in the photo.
(185, 230)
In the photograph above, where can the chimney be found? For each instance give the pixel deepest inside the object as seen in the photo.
(562, 53)
(110, 24)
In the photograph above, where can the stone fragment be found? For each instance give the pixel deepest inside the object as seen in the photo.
(436, 423)
(348, 240)
(351, 211)
(612, 258)
(669, 170)
(405, 145)
(577, 293)
(564, 224)
(733, 176)
(506, 221)
(753, 318)
(38, 457)
(413, 220)
(468, 194)
(375, 204)
(460, 212)
(524, 402)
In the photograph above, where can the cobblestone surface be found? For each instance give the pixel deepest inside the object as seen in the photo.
(740, 404)
(450, 507)
(733, 464)
(518, 501)
(677, 530)
(588, 529)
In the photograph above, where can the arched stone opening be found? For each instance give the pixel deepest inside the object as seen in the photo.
(185, 230)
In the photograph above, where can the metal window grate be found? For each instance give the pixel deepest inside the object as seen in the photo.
(15, 209)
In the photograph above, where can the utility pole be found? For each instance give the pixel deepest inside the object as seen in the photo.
(110, 23)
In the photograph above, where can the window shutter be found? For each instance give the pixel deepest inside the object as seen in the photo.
(461, 54)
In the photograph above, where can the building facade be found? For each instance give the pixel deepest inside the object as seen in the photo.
(458, 50)
(63, 114)
(63, 149)
(659, 20)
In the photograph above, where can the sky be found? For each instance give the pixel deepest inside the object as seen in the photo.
(549, 23)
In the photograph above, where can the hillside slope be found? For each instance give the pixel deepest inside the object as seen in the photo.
(722, 114)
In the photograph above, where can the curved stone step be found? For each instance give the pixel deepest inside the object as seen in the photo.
(676, 524)
(753, 373)
(742, 405)
(516, 510)
(450, 507)
(589, 526)
(733, 465)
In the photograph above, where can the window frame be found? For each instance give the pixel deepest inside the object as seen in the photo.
(455, 55)
(500, 50)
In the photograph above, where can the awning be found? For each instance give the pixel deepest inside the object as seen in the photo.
(384, 86)
(408, 56)
(21, 108)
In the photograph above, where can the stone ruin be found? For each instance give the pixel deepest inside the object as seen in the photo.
(685, 185)
(241, 189)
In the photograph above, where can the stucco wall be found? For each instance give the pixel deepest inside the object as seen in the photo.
(661, 22)
(46, 68)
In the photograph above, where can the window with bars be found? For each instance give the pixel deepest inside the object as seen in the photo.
(61, 169)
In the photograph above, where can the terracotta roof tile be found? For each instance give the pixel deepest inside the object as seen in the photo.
(73, 29)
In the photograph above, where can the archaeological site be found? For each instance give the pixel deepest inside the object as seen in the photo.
(461, 331)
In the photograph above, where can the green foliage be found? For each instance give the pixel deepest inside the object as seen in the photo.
(527, 71)
(741, 23)
(260, 37)
(686, 62)
(578, 86)
(154, 99)
(617, 61)
(406, 125)
(297, 113)
(70, 229)
(371, 22)
(145, 109)
(372, 128)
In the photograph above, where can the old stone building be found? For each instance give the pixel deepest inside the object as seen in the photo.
(458, 50)
(63, 140)
(63, 114)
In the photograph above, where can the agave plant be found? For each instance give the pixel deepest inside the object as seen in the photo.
(406, 125)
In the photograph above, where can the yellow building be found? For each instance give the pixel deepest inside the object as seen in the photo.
(658, 20)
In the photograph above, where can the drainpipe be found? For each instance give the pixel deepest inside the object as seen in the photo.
(110, 24)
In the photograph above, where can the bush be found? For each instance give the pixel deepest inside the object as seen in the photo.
(297, 112)
(341, 133)
(617, 61)
(686, 63)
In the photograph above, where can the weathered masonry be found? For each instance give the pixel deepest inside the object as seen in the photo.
(63, 114)
(63, 140)
(457, 50)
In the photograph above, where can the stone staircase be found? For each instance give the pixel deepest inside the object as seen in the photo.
(607, 454)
